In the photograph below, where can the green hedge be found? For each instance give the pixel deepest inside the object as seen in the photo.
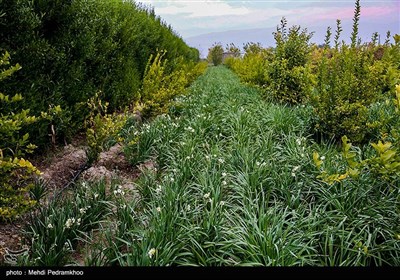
(71, 50)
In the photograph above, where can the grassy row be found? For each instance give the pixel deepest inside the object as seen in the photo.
(235, 184)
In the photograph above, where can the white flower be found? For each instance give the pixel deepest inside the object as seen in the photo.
(158, 209)
(322, 158)
(302, 155)
(119, 191)
(78, 222)
(298, 141)
(158, 189)
(69, 223)
(221, 160)
(188, 157)
(258, 163)
(224, 183)
(223, 174)
(49, 226)
(188, 207)
(207, 195)
(123, 206)
(294, 170)
(82, 210)
(84, 184)
(222, 203)
(151, 252)
(172, 179)
(207, 157)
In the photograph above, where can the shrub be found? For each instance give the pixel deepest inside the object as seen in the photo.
(15, 171)
(289, 74)
(383, 163)
(349, 81)
(215, 54)
(102, 129)
(251, 69)
(160, 87)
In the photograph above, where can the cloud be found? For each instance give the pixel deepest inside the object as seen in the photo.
(348, 13)
(197, 9)
(194, 17)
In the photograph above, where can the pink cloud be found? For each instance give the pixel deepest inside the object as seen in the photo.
(348, 13)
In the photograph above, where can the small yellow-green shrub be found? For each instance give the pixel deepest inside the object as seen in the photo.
(384, 164)
(16, 173)
(251, 69)
(160, 87)
(102, 129)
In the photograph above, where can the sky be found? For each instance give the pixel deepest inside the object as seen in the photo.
(190, 18)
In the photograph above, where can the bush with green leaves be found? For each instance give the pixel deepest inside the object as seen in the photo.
(350, 80)
(289, 74)
(382, 163)
(160, 86)
(102, 129)
(215, 54)
(16, 173)
(251, 69)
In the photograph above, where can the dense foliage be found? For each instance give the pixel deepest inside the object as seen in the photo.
(15, 171)
(215, 54)
(252, 67)
(83, 62)
(69, 50)
(350, 86)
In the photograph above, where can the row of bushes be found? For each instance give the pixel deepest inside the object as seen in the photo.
(70, 50)
(74, 65)
(349, 86)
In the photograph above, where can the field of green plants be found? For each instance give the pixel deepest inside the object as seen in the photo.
(285, 156)
(236, 183)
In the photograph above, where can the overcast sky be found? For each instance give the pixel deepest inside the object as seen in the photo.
(194, 17)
